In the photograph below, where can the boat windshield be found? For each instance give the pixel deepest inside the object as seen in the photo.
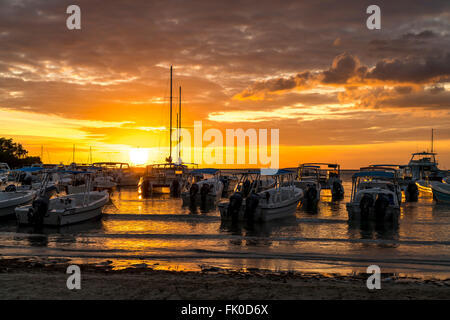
(423, 158)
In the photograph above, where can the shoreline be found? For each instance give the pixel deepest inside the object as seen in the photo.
(27, 279)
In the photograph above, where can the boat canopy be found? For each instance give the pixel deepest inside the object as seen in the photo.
(75, 172)
(382, 174)
(205, 171)
(30, 169)
(269, 172)
(319, 164)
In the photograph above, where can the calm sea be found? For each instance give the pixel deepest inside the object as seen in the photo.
(163, 235)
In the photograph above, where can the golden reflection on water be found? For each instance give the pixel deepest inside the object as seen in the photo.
(159, 232)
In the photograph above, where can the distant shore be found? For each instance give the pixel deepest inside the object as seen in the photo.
(22, 279)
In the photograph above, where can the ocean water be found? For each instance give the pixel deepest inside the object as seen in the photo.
(163, 235)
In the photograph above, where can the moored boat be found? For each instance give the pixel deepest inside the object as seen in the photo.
(10, 200)
(374, 196)
(252, 202)
(308, 179)
(424, 169)
(441, 191)
(203, 187)
(63, 210)
(329, 178)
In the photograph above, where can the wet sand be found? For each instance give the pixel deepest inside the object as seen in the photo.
(27, 279)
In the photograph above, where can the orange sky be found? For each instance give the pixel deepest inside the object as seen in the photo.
(335, 90)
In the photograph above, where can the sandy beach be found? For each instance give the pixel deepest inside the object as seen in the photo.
(21, 279)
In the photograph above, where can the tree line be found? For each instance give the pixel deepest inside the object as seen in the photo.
(15, 155)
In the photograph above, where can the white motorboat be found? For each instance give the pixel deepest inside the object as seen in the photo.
(308, 179)
(374, 196)
(424, 168)
(104, 183)
(405, 180)
(4, 172)
(10, 200)
(74, 189)
(441, 191)
(329, 177)
(65, 210)
(120, 172)
(203, 187)
(252, 202)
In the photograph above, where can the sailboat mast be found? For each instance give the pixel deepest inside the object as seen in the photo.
(432, 139)
(170, 130)
(179, 125)
(178, 137)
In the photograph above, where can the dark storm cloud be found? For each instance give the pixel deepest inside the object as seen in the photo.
(412, 70)
(344, 67)
(347, 70)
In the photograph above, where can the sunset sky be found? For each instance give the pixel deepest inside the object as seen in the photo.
(335, 90)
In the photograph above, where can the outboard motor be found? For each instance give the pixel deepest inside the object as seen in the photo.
(146, 187)
(38, 211)
(381, 205)
(251, 203)
(310, 197)
(246, 188)
(337, 190)
(226, 184)
(365, 204)
(40, 206)
(175, 188)
(27, 181)
(193, 190)
(235, 206)
(21, 177)
(204, 190)
(11, 188)
(412, 192)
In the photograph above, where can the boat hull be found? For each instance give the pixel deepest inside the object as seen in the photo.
(263, 213)
(7, 207)
(441, 192)
(354, 213)
(209, 199)
(424, 187)
(68, 216)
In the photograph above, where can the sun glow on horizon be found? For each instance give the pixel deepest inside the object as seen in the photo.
(138, 156)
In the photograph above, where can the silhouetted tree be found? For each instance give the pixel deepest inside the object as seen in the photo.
(14, 154)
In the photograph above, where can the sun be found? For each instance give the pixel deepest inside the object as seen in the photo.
(138, 156)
